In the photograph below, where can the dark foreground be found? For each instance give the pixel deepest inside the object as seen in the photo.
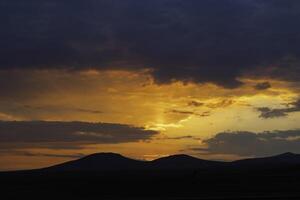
(277, 184)
(269, 178)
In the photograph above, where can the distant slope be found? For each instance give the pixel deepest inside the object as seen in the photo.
(182, 162)
(282, 160)
(172, 177)
(117, 162)
(99, 162)
(113, 162)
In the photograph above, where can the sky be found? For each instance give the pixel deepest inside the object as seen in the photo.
(215, 79)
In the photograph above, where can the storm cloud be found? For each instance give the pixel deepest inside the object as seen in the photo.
(200, 41)
(67, 135)
(253, 144)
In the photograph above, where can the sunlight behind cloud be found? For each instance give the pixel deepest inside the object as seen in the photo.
(184, 114)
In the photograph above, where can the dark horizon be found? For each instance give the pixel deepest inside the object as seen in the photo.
(106, 157)
(112, 176)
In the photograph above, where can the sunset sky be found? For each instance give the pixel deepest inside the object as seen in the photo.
(215, 79)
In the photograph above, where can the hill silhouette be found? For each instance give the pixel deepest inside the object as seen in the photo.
(281, 160)
(117, 162)
(99, 162)
(182, 162)
(113, 176)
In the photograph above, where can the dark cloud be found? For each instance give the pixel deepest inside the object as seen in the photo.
(75, 156)
(50, 108)
(195, 103)
(202, 41)
(253, 144)
(65, 135)
(214, 105)
(183, 112)
(220, 104)
(262, 86)
(180, 137)
(31, 154)
(267, 113)
(184, 137)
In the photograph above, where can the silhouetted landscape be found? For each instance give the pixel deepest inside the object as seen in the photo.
(215, 79)
(112, 176)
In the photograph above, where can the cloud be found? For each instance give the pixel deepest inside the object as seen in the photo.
(201, 41)
(31, 154)
(184, 137)
(195, 104)
(50, 108)
(212, 105)
(67, 135)
(221, 104)
(268, 113)
(183, 112)
(76, 156)
(262, 86)
(253, 144)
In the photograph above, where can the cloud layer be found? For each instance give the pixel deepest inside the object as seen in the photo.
(253, 144)
(65, 135)
(201, 41)
(267, 113)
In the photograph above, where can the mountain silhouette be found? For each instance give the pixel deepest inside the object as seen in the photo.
(113, 176)
(182, 162)
(281, 160)
(99, 162)
(117, 162)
